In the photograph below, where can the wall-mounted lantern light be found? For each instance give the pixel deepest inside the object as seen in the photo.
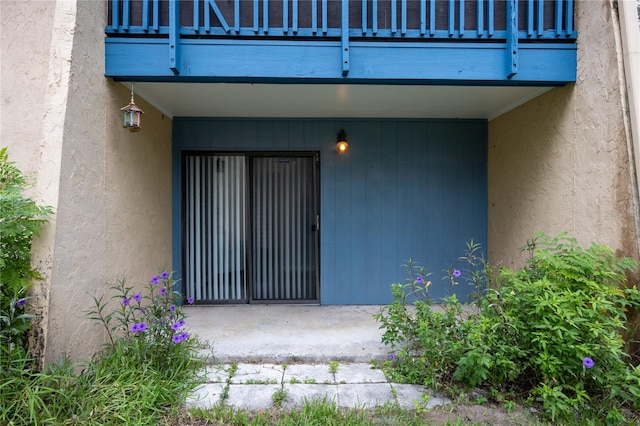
(132, 113)
(342, 146)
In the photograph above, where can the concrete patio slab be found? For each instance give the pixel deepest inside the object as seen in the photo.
(364, 395)
(289, 333)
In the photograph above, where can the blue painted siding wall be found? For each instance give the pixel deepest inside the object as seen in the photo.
(406, 189)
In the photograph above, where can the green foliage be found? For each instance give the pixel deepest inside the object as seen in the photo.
(143, 374)
(530, 335)
(148, 328)
(20, 220)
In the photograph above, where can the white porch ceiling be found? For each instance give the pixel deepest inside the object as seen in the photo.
(333, 100)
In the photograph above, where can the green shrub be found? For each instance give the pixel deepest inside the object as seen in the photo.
(20, 220)
(144, 373)
(551, 332)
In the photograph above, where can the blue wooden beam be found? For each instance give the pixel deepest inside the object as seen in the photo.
(539, 64)
(174, 36)
(512, 38)
(345, 38)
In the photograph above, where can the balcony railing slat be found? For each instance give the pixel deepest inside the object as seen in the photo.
(480, 23)
(558, 18)
(196, 16)
(403, 17)
(432, 17)
(569, 18)
(423, 17)
(394, 23)
(126, 7)
(364, 17)
(374, 20)
(156, 15)
(285, 16)
(324, 17)
(529, 18)
(461, 19)
(236, 10)
(490, 13)
(115, 14)
(145, 15)
(452, 17)
(314, 16)
(540, 18)
(256, 25)
(294, 23)
(265, 16)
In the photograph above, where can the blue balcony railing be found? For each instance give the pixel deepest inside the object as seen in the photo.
(190, 25)
(382, 19)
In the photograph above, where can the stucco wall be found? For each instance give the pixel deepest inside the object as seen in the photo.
(110, 188)
(561, 161)
(23, 78)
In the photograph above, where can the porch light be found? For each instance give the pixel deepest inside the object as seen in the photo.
(342, 146)
(132, 113)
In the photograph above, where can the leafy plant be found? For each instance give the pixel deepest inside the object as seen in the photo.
(144, 373)
(20, 220)
(551, 332)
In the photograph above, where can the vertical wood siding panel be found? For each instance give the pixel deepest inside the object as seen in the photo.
(374, 222)
(357, 283)
(389, 192)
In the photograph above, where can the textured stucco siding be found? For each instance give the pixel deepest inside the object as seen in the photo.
(110, 188)
(562, 161)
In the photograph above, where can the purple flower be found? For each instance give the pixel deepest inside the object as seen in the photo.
(176, 326)
(456, 273)
(125, 302)
(184, 335)
(177, 338)
(137, 297)
(140, 326)
(172, 307)
(392, 357)
(190, 300)
(163, 291)
(164, 275)
(588, 362)
(154, 280)
(21, 302)
(419, 280)
(181, 322)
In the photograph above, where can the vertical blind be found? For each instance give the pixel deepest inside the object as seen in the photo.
(283, 238)
(215, 228)
(277, 227)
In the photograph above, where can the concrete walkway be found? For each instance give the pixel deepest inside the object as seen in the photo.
(288, 354)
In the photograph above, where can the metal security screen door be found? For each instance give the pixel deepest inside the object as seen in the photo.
(250, 230)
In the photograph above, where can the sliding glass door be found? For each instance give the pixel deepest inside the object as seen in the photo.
(250, 229)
